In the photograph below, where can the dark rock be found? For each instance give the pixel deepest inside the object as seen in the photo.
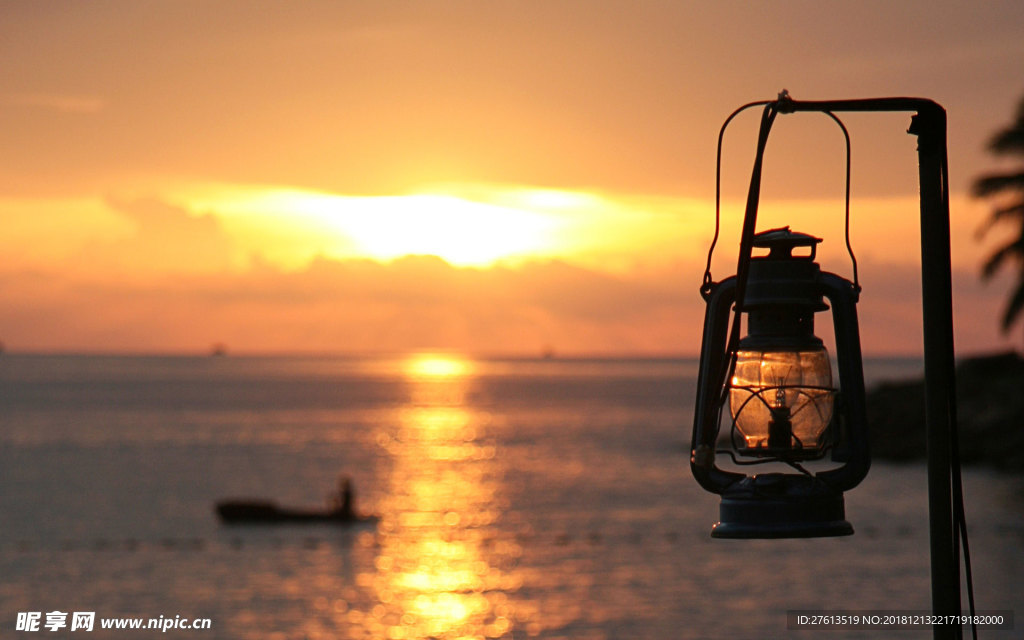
(990, 412)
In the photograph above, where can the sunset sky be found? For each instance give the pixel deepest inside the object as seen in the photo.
(492, 177)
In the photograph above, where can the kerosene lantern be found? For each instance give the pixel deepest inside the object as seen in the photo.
(773, 389)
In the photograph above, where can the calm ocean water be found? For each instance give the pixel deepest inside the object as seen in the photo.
(518, 499)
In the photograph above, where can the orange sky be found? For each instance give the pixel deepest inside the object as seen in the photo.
(276, 176)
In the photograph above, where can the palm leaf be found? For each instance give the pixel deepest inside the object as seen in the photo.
(1010, 139)
(1013, 249)
(994, 183)
(1013, 212)
(1007, 141)
(1015, 305)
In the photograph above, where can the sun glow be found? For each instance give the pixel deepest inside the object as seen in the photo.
(466, 225)
(428, 365)
(461, 231)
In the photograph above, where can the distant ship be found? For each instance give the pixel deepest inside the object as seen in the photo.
(219, 349)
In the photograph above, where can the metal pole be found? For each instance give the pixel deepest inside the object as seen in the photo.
(940, 389)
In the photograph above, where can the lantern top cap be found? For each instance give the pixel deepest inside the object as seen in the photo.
(781, 242)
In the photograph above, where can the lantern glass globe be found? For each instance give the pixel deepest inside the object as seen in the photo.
(782, 400)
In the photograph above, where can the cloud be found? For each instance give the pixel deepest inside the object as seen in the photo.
(421, 302)
(351, 305)
(62, 103)
(166, 239)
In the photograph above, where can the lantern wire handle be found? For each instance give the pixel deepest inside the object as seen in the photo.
(707, 283)
(705, 288)
(849, 247)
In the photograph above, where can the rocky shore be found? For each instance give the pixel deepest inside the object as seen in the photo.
(990, 411)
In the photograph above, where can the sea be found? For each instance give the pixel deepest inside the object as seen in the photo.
(516, 498)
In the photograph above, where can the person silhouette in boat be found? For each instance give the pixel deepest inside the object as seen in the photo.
(343, 502)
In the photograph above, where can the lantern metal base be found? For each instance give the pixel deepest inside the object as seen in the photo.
(781, 506)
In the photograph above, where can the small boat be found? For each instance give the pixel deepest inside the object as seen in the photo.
(267, 512)
(340, 510)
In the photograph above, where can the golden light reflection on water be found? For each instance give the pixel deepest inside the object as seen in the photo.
(439, 572)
